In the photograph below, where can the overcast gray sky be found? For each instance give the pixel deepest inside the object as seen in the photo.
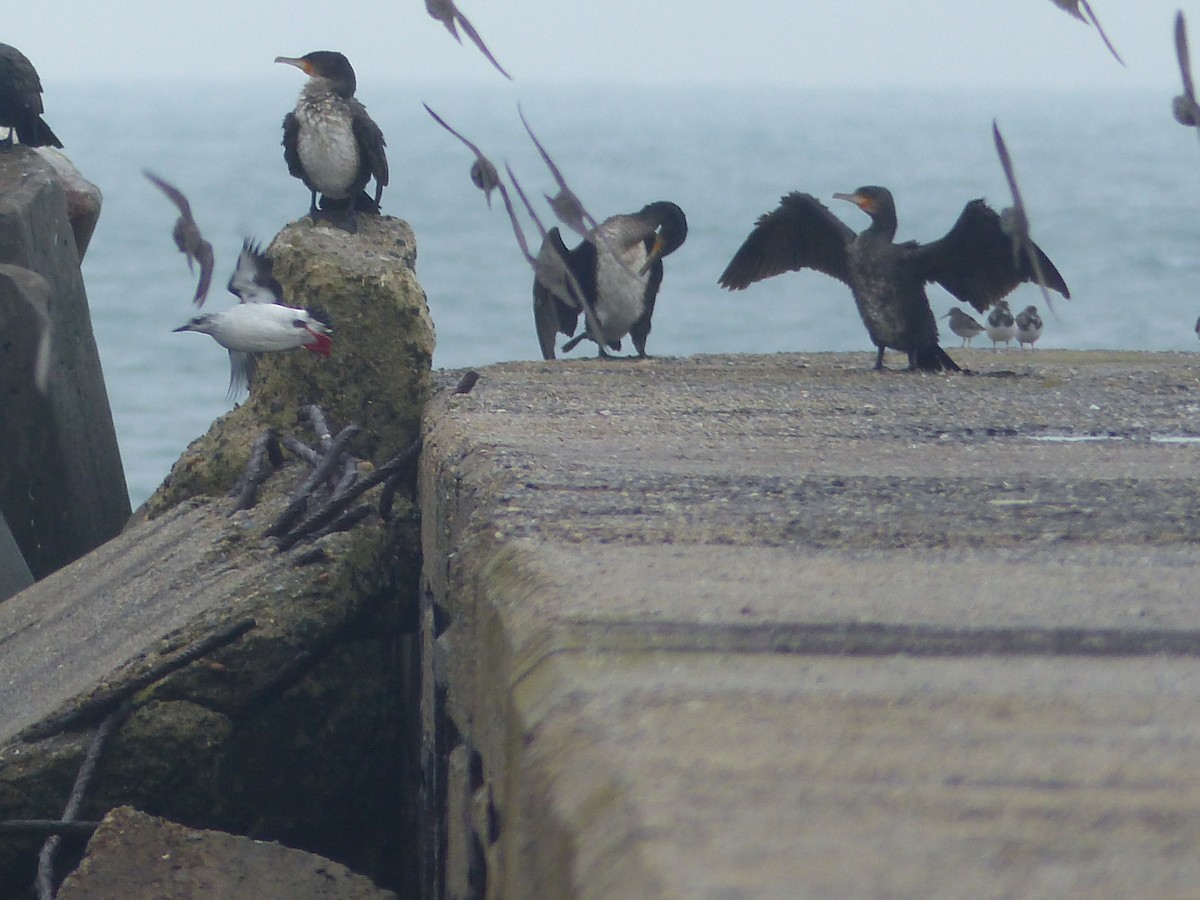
(789, 42)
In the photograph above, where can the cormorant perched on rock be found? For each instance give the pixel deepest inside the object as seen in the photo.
(329, 141)
(21, 101)
(619, 269)
(974, 262)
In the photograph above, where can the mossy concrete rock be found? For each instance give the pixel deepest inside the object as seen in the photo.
(378, 376)
(140, 857)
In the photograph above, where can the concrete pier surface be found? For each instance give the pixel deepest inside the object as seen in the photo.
(780, 626)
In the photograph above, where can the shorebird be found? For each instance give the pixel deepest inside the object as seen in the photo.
(260, 323)
(973, 262)
(21, 101)
(1184, 107)
(1000, 324)
(331, 143)
(1029, 326)
(187, 236)
(1073, 7)
(448, 14)
(963, 325)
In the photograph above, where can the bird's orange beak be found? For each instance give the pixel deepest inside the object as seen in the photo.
(302, 64)
(866, 204)
(655, 253)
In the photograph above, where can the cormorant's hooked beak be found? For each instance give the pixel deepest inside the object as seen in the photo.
(866, 204)
(656, 251)
(302, 64)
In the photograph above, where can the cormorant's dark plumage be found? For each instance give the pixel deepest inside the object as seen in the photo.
(330, 142)
(619, 269)
(21, 101)
(974, 262)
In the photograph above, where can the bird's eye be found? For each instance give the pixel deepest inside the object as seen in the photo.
(299, 323)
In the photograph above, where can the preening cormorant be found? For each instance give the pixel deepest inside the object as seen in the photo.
(329, 141)
(619, 269)
(21, 101)
(974, 262)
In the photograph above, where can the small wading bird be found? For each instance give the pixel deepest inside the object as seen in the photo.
(447, 13)
(1029, 326)
(1073, 7)
(1000, 324)
(1015, 222)
(187, 236)
(21, 101)
(1184, 107)
(619, 268)
(259, 323)
(963, 325)
(973, 262)
(331, 143)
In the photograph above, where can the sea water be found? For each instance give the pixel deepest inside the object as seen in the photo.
(1111, 183)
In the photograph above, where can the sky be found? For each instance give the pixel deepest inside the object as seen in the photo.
(906, 43)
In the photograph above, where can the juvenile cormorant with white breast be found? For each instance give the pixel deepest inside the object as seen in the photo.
(331, 143)
(974, 262)
(619, 269)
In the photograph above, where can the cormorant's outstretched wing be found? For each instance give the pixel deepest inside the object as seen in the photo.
(800, 234)
(370, 144)
(974, 261)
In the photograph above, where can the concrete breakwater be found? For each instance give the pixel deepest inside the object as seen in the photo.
(727, 626)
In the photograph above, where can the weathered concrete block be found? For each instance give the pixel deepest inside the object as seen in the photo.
(62, 488)
(84, 199)
(14, 573)
(140, 857)
(377, 378)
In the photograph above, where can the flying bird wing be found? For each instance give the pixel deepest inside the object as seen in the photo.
(1104, 37)
(565, 203)
(470, 32)
(801, 233)
(974, 261)
(242, 368)
(186, 234)
(483, 172)
(1015, 221)
(253, 279)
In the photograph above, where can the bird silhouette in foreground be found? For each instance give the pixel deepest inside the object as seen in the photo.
(1029, 326)
(1015, 221)
(1184, 106)
(21, 101)
(1000, 324)
(973, 262)
(963, 325)
(620, 271)
(187, 236)
(448, 14)
(1074, 7)
(260, 322)
(484, 174)
(331, 143)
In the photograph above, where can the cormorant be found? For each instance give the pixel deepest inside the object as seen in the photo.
(1000, 324)
(973, 262)
(21, 101)
(963, 325)
(1184, 107)
(447, 13)
(1029, 326)
(1072, 7)
(187, 236)
(329, 141)
(619, 269)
